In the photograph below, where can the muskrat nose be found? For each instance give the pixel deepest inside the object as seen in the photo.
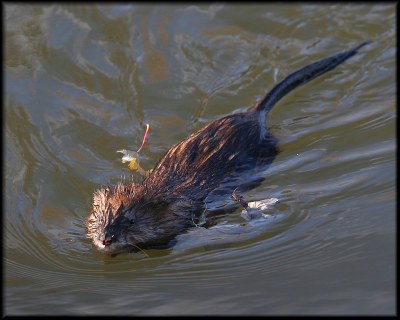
(108, 240)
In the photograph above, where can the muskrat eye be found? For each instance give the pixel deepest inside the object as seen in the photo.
(129, 217)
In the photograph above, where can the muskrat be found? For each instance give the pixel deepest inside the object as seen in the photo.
(223, 157)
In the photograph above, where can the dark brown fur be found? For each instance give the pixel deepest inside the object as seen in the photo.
(224, 155)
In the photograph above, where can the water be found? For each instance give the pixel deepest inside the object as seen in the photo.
(82, 80)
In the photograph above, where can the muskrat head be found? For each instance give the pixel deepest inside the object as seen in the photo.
(124, 218)
(109, 221)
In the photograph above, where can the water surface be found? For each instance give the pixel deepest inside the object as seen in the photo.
(82, 80)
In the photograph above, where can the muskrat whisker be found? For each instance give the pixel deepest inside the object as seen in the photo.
(141, 250)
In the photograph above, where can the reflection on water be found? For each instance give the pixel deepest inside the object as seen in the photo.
(82, 80)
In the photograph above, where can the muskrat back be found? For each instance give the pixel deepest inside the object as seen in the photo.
(228, 151)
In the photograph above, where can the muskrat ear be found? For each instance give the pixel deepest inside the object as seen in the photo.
(161, 201)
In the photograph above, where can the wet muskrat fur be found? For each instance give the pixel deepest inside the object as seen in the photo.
(217, 159)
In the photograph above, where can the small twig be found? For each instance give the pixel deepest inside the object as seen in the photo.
(144, 137)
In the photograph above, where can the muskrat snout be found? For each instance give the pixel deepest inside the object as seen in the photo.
(109, 240)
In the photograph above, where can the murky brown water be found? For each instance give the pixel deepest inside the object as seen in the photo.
(81, 81)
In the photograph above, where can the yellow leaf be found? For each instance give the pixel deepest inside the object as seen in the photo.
(133, 165)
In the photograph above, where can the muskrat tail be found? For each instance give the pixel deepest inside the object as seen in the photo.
(301, 77)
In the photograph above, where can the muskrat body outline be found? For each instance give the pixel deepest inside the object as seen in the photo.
(127, 217)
